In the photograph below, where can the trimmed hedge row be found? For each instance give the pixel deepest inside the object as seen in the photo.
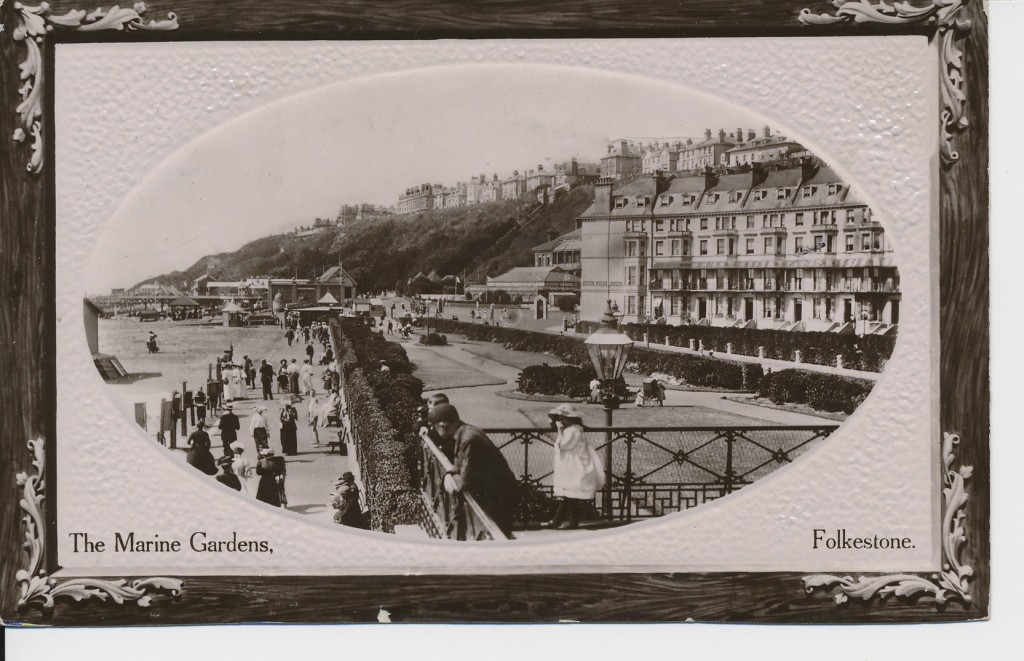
(868, 353)
(825, 392)
(696, 371)
(547, 379)
(383, 408)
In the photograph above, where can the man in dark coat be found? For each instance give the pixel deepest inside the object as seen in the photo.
(271, 470)
(479, 468)
(346, 501)
(228, 429)
(266, 379)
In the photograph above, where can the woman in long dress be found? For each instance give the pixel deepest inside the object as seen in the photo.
(578, 470)
(243, 469)
(306, 378)
(258, 428)
(289, 425)
(236, 381)
(198, 453)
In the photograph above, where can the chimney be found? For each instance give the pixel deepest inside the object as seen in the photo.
(707, 134)
(721, 135)
(807, 168)
(603, 197)
(540, 167)
(751, 134)
(515, 173)
(767, 131)
(660, 183)
(709, 177)
(739, 136)
(575, 166)
(552, 235)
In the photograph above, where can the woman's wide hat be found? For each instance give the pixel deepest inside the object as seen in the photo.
(565, 411)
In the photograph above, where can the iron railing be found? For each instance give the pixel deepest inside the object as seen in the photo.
(450, 515)
(655, 470)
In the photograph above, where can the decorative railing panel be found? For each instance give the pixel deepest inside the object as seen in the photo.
(656, 470)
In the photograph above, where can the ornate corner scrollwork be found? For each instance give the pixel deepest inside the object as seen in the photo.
(947, 16)
(33, 24)
(951, 583)
(39, 590)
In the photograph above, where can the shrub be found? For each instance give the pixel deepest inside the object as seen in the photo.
(434, 340)
(825, 392)
(545, 379)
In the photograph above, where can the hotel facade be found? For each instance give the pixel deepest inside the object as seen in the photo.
(786, 249)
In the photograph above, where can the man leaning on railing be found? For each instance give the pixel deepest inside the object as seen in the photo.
(479, 468)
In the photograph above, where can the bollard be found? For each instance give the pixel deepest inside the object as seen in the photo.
(796, 357)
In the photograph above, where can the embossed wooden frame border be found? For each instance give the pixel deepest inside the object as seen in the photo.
(956, 591)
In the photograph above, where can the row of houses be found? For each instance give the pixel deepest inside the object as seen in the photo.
(479, 189)
(787, 248)
(625, 158)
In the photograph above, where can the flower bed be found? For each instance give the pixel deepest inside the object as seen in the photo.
(825, 392)
(567, 380)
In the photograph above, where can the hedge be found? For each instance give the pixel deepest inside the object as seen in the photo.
(383, 408)
(547, 379)
(825, 392)
(868, 353)
(696, 371)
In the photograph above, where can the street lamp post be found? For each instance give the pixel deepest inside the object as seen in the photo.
(608, 348)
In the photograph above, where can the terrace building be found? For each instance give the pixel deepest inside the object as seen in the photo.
(707, 153)
(791, 249)
(762, 150)
(623, 159)
(514, 187)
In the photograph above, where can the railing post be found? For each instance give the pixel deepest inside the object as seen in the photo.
(523, 505)
(730, 474)
(627, 493)
(607, 498)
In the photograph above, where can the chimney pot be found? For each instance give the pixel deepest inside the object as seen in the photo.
(707, 134)
(767, 131)
(751, 134)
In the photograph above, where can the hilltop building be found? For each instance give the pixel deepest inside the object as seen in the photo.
(789, 249)
(622, 159)
(762, 149)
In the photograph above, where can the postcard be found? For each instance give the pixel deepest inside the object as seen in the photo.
(340, 327)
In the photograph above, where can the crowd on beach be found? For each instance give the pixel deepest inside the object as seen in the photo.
(295, 383)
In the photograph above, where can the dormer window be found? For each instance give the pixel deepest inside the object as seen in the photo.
(641, 200)
(810, 190)
(620, 203)
(759, 195)
(734, 196)
(713, 198)
(781, 193)
(688, 200)
(833, 189)
(666, 200)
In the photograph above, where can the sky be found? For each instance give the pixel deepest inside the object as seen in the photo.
(368, 140)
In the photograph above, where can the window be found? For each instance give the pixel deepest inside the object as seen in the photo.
(687, 200)
(798, 244)
(674, 305)
(849, 243)
(734, 196)
(799, 219)
(641, 200)
(630, 248)
(759, 194)
(769, 245)
(781, 193)
(659, 225)
(750, 246)
(620, 203)
(659, 248)
(819, 242)
(631, 275)
(687, 224)
(675, 247)
(631, 305)
(686, 246)
(666, 200)
(720, 247)
(809, 190)
(833, 189)
(703, 223)
(877, 242)
(773, 220)
(865, 242)
(750, 222)
(713, 198)
(816, 309)
(643, 248)
(704, 247)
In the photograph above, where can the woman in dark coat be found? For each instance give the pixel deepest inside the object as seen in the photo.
(282, 377)
(271, 470)
(199, 454)
(289, 425)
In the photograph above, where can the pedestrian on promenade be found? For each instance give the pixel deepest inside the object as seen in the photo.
(266, 379)
(258, 427)
(306, 378)
(236, 381)
(578, 473)
(241, 466)
(479, 468)
(289, 335)
(293, 377)
(348, 502)
(282, 377)
(289, 425)
(199, 400)
(313, 411)
(272, 472)
(248, 371)
(305, 334)
(228, 477)
(199, 455)
(229, 427)
(310, 351)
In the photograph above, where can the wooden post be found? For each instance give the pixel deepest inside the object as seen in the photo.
(184, 416)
